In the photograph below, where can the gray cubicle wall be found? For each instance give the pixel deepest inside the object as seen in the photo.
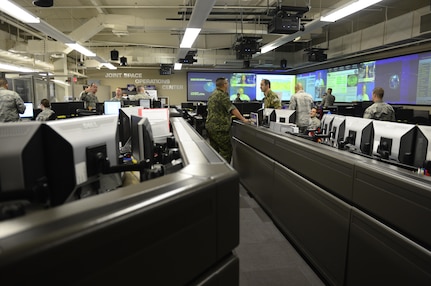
(333, 205)
(178, 229)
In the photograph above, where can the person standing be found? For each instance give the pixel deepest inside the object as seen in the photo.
(219, 119)
(118, 95)
(302, 102)
(328, 99)
(271, 99)
(379, 110)
(11, 104)
(89, 97)
(47, 113)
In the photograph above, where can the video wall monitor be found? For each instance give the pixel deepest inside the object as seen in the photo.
(145, 103)
(337, 130)
(61, 109)
(394, 141)
(22, 160)
(200, 85)
(111, 107)
(74, 150)
(142, 139)
(283, 116)
(282, 84)
(422, 145)
(28, 113)
(359, 133)
(314, 83)
(244, 84)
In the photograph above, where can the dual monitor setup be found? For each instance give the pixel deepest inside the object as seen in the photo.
(46, 164)
(404, 145)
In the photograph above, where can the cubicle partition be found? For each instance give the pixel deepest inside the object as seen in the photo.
(357, 221)
(178, 229)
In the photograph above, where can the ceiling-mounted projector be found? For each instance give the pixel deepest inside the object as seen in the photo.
(287, 20)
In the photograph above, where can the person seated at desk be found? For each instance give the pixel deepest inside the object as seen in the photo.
(118, 95)
(47, 113)
(379, 110)
(314, 120)
(240, 96)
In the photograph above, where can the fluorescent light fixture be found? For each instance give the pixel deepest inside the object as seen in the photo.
(9, 67)
(60, 82)
(348, 9)
(49, 30)
(77, 47)
(189, 37)
(109, 66)
(17, 12)
(178, 66)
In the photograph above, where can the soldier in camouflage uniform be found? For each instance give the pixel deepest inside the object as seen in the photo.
(218, 123)
(379, 110)
(11, 104)
(89, 97)
(47, 113)
(302, 102)
(271, 99)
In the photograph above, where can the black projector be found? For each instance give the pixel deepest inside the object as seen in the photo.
(285, 25)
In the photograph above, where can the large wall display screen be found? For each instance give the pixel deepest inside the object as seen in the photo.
(283, 85)
(313, 83)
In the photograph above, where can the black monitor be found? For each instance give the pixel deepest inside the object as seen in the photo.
(100, 108)
(187, 105)
(201, 110)
(128, 102)
(359, 134)
(22, 161)
(283, 116)
(74, 150)
(142, 139)
(74, 106)
(157, 104)
(394, 141)
(123, 128)
(337, 131)
(28, 113)
(422, 145)
(61, 109)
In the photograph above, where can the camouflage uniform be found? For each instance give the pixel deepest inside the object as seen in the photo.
(139, 96)
(11, 104)
(314, 123)
(271, 100)
(328, 100)
(380, 111)
(90, 99)
(218, 123)
(45, 114)
(115, 99)
(302, 102)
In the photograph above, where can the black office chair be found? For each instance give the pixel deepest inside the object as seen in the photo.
(53, 116)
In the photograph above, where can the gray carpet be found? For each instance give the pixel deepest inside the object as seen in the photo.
(266, 256)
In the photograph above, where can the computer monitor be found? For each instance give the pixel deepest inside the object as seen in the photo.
(337, 131)
(326, 123)
(74, 106)
(157, 104)
(283, 116)
(164, 101)
(394, 141)
(61, 109)
(22, 160)
(145, 103)
(254, 118)
(111, 107)
(358, 133)
(142, 139)
(187, 105)
(128, 102)
(422, 145)
(28, 113)
(75, 150)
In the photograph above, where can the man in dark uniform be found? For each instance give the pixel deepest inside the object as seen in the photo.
(219, 119)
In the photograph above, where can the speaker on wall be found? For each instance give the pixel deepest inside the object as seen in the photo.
(283, 63)
(114, 55)
(43, 3)
(123, 61)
